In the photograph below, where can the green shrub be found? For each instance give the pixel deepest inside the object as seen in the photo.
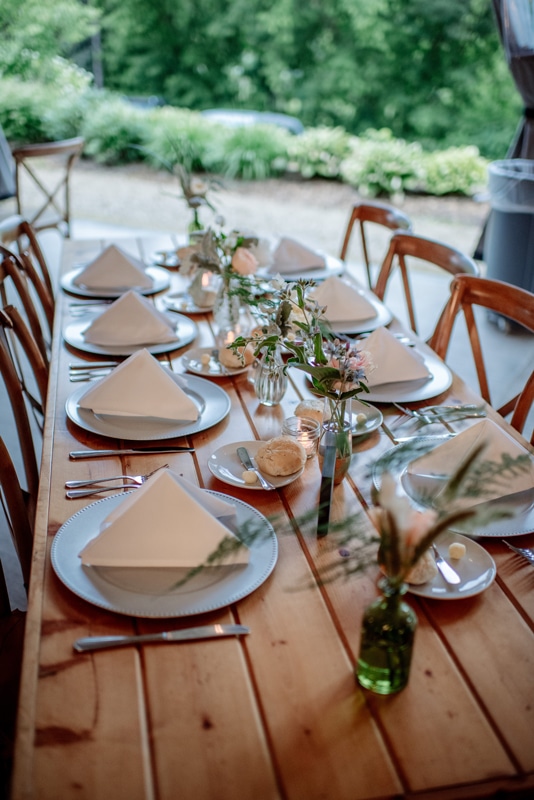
(319, 151)
(252, 152)
(23, 110)
(114, 129)
(178, 136)
(457, 170)
(380, 164)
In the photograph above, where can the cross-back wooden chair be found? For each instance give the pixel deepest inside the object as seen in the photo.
(18, 513)
(54, 208)
(14, 276)
(405, 246)
(19, 236)
(501, 298)
(376, 214)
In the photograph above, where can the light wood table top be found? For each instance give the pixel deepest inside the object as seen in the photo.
(278, 713)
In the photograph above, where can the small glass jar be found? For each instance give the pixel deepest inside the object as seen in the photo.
(304, 430)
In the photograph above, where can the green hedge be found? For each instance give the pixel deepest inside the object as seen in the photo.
(116, 132)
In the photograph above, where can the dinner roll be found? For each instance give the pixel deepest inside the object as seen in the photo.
(313, 409)
(282, 455)
(425, 569)
(231, 359)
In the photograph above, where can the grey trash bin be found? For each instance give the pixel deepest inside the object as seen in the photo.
(509, 239)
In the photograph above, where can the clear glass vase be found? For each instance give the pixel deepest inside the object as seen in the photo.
(227, 307)
(386, 642)
(195, 228)
(270, 383)
(336, 432)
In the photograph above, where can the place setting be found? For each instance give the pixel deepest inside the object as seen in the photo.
(112, 273)
(350, 308)
(259, 465)
(142, 400)
(125, 325)
(103, 554)
(293, 260)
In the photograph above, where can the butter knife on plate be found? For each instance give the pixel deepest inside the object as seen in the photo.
(76, 455)
(185, 635)
(247, 462)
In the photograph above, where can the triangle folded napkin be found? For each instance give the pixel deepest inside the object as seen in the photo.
(443, 460)
(141, 387)
(167, 522)
(344, 302)
(394, 362)
(292, 256)
(114, 269)
(130, 320)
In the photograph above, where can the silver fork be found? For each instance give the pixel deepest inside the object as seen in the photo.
(128, 482)
(444, 416)
(522, 551)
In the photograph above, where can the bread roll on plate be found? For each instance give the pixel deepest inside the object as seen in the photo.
(281, 456)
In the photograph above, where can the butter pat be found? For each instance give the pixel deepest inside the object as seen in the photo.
(249, 476)
(457, 550)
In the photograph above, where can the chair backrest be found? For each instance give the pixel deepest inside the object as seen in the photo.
(14, 274)
(378, 214)
(409, 246)
(55, 200)
(503, 299)
(19, 514)
(17, 234)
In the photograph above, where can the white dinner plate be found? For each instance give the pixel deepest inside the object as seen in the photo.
(334, 266)
(192, 361)
(186, 331)
(212, 401)
(397, 461)
(226, 466)
(476, 569)
(160, 281)
(373, 418)
(439, 380)
(134, 592)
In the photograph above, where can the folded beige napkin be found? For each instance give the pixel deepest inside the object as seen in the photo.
(167, 522)
(394, 362)
(141, 387)
(114, 269)
(130, 320)
(292, 256)
(443, 460)
(344, 302)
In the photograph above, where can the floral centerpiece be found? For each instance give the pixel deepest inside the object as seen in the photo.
(292, 319)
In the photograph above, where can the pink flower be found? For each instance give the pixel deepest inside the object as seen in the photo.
(244, 262)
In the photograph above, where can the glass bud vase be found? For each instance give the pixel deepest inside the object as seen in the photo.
(336, 431)
(195, 227)
(270, 382)
(386, 643)
(227, 308)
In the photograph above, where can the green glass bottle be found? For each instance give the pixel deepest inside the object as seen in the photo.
(386, 643)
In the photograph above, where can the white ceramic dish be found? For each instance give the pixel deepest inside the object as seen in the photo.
(212, 401)
(186, 331)
(373, 418)
(226, 466)
(118, 590)
(160, 281)
(192, 361)
(476, 569)
(182, 304)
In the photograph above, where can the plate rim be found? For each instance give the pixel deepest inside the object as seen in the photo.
(162, 281)
(255, 487)
(230, 371)
(73, 397)
(270, 562)
(125, 350)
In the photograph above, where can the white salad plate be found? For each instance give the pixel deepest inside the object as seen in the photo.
(192, 361)
(185, 329)
(225, 465)
(476, 569)
(182, 303)
(365, 418)
(150, 592)
(212, 401)
(160, 281)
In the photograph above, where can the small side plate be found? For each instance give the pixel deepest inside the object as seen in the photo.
(192, 362)
(225, 465)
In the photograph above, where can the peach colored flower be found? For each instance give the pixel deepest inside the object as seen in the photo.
(244, 262)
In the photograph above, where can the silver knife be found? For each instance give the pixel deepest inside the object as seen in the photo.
(186, 635)
(448, 573)
(247, 462)
(78, 454)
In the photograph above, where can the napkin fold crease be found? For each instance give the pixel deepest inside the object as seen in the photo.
(130, 320)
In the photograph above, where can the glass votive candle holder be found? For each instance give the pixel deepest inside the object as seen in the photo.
(305, 430)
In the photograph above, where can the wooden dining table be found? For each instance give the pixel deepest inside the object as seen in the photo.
(277, 713)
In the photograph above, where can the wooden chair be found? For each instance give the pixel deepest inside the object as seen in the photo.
(19, 516)
(377, 214)
(15, 281)
(501, 298)
(54, 201)
(17, 234)
(409, 246)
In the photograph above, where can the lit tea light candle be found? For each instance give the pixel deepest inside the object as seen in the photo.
(202, 290)
(304, 430)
